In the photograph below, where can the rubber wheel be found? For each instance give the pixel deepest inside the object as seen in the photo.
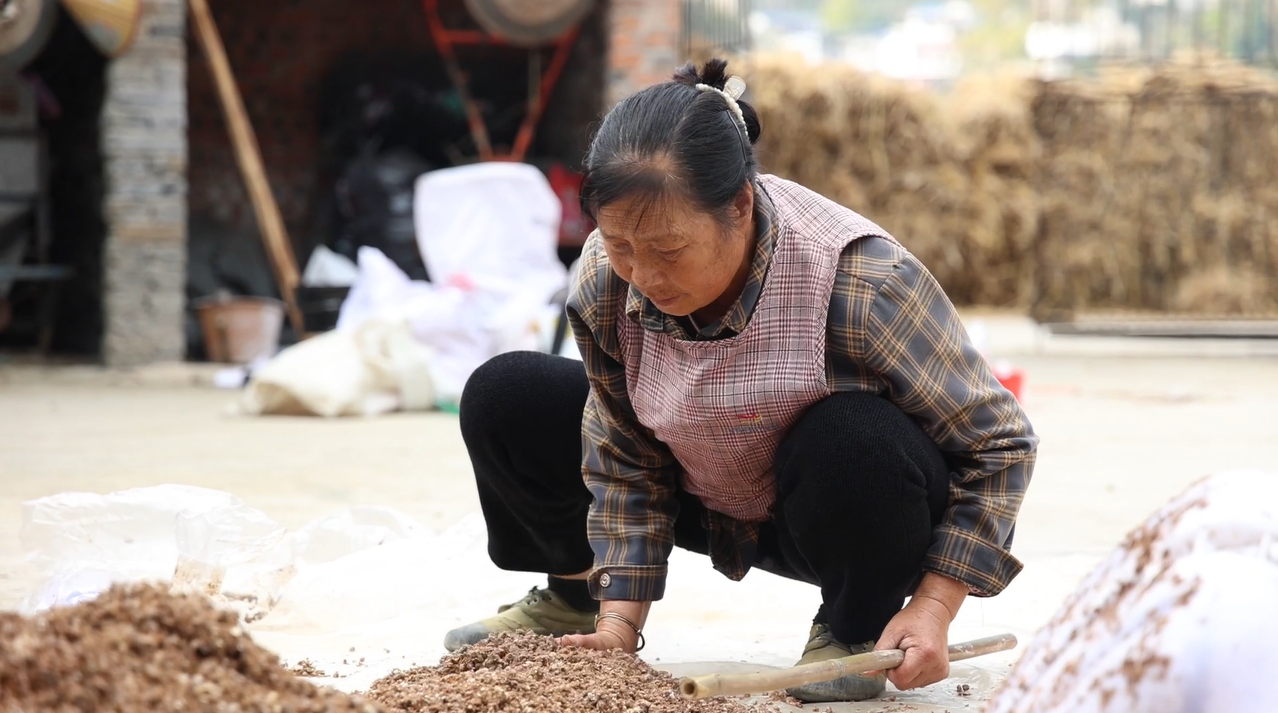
(529, 24)
(25, 28)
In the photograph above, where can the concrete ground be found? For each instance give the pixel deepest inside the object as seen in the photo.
(1125, 425)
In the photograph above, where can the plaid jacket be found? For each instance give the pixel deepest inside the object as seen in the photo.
(890, 330)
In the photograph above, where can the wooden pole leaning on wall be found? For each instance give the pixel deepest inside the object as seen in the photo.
(249, 157)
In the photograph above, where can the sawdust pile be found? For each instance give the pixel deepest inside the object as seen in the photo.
(523, 672)
(139, 648)
(1138, 190)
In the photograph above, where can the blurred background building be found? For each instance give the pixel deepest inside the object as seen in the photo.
(124, 203)
(350, 102)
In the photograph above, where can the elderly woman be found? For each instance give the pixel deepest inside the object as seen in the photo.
(769, 379)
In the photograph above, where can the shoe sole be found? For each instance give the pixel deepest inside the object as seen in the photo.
(848, 689)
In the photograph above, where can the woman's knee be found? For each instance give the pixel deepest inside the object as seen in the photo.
(518, 388)
(861, 436)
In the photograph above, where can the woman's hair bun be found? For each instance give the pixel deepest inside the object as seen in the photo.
(713, 73)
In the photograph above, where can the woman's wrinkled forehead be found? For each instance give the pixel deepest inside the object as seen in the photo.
(647, 219)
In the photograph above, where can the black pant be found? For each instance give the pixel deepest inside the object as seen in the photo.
(860, 488)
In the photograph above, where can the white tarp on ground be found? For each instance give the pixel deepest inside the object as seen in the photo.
(201, 539)
(488, 234)
(1177, 620)
(367, 590)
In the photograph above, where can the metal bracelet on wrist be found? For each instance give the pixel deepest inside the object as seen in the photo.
(631, 624)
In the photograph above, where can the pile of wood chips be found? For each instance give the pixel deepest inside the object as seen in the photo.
(525, 672)
(140, 648)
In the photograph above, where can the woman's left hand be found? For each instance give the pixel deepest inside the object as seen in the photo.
(921, 629)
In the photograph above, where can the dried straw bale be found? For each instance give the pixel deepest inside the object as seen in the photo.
(890, 153)
(1160, 191)
(1001, 220)
(1139, 189)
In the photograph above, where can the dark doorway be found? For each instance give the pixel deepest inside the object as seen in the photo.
(68, 82)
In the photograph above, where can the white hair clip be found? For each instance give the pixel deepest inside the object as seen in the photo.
(732, 89)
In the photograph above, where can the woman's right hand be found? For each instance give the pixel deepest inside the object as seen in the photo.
(611, 632)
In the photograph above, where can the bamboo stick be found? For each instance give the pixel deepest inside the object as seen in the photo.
(716, 684)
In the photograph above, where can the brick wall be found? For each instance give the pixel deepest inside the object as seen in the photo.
(144, 153)
(643, 44)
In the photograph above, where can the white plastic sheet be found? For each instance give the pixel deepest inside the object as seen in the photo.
(133, 528)
(354, 529)
(200, 540)
(87, 541)
(412, 573)
(211, 540)
(1177, 620)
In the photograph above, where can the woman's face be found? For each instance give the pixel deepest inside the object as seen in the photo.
(681, 259)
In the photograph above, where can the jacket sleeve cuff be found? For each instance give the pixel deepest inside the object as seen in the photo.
(636, 583)
(985, 568)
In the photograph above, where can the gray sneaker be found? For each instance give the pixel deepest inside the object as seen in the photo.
(541, 611)
(822, 647)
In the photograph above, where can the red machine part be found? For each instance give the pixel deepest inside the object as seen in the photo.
(574, 226)
(446, 39)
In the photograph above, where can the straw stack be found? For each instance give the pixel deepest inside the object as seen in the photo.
(1160, 191)
(1002, 156)
(879, 148)
(1135, 190)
